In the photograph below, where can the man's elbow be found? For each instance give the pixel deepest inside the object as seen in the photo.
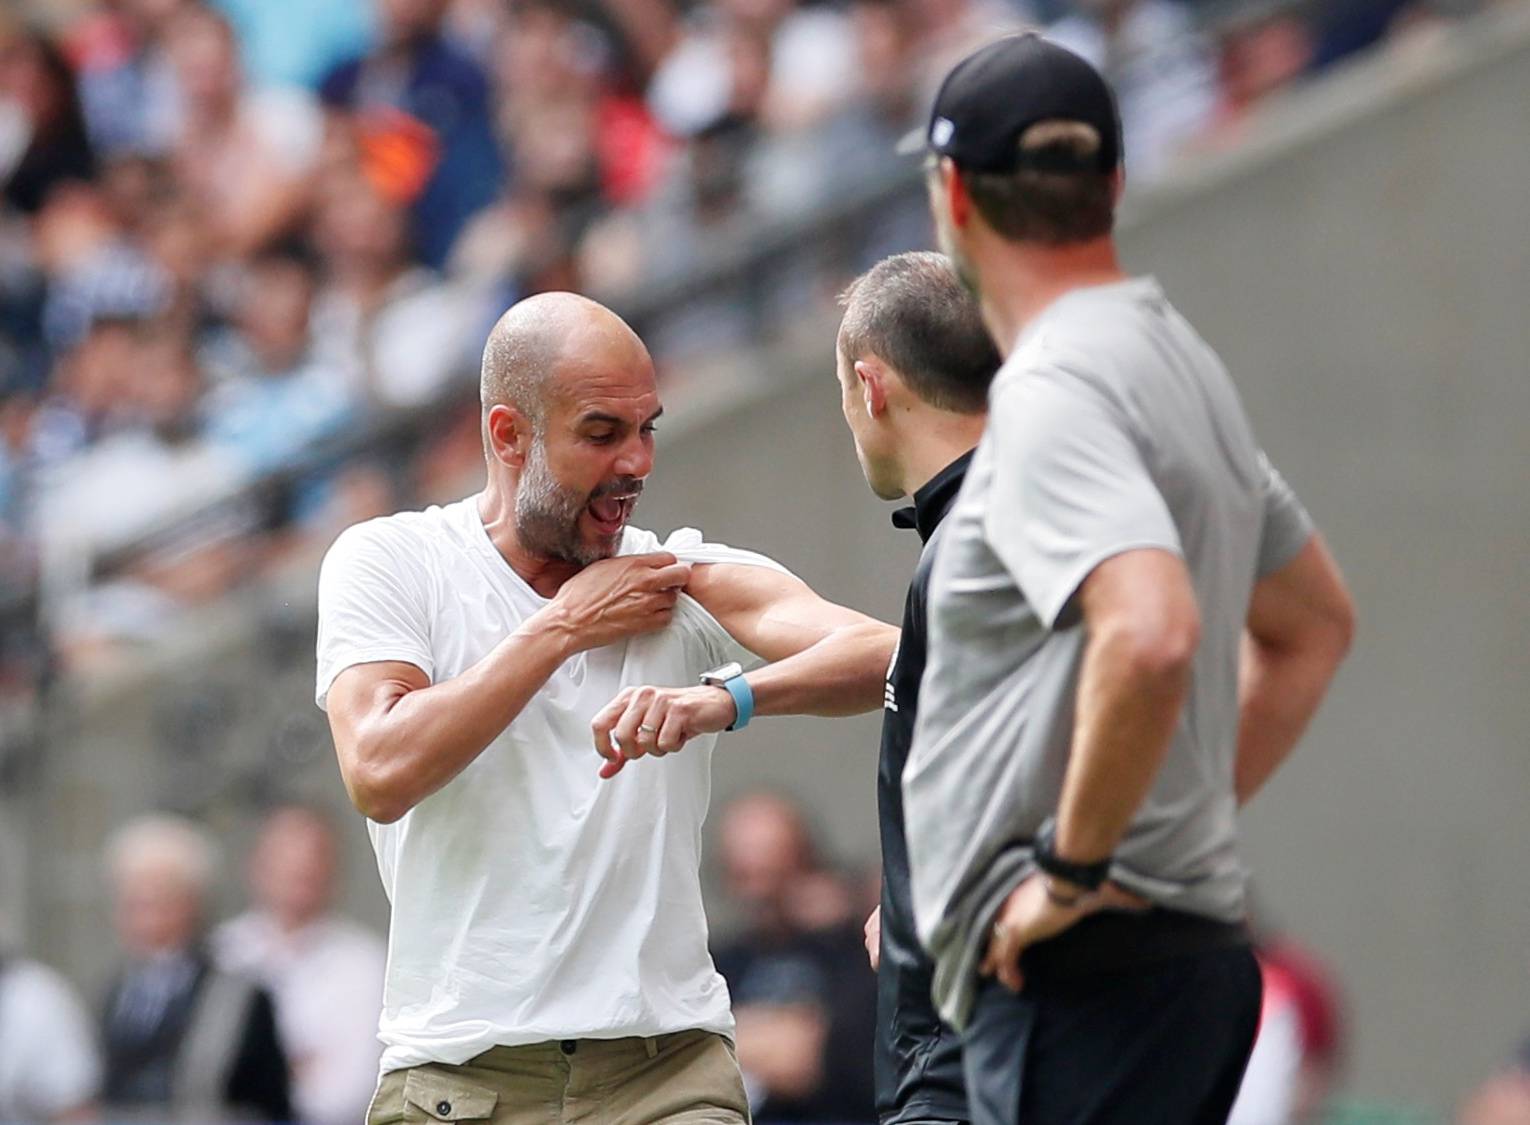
(377, 793)
(1162, 650)
(1342, 623)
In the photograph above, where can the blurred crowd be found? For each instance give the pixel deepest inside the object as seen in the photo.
(236, 233)
(271, 1014)
(268, 1016)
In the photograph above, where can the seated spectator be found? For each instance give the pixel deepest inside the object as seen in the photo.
(183, 1039)
(1260, 54)
(154, 472)
(42, 130)
(86, 400)
(1300, 1047)
(1160, 66)
(416, 71)
(127, 89)
(324, 972)
(802, 997)
(49, 1067)
(243, 157)
(156, 467)
(390, 327)
(91, 266)
(272, 399)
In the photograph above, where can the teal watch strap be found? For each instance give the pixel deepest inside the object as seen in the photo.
(743, 700)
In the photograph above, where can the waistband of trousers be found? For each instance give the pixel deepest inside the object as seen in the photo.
(627, 1046)
(1115, 940)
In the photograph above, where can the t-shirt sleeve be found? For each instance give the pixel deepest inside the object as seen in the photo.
(687, 545)
(1070, 488)
(1286, 527)
(374, 598)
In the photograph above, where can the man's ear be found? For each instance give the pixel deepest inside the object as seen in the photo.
(871, 376)
(1117, 185)
(509, 434)
(958, 202)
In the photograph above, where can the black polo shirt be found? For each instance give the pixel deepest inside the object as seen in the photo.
(918, 1059)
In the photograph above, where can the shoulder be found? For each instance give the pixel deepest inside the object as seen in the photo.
(40, 992)
(688, 545)
(402, 535)
(1051, 372)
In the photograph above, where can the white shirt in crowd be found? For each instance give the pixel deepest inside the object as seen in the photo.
(532, 901)
(48, 1060)
(326, 982)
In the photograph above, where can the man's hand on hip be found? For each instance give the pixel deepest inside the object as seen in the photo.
(621, 597)
(873, 938)
(658, 721)
(1030, 915)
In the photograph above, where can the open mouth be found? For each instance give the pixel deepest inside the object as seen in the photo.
(610, 513)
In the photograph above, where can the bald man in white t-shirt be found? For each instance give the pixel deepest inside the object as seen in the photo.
(548, 949)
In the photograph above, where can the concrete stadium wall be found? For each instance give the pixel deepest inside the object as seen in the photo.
(1363, 266)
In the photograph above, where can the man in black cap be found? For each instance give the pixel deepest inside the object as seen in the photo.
(914, 363)
(1131, 622)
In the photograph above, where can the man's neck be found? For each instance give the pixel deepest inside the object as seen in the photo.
(1019, 282)
(941, 438)
(544, 575)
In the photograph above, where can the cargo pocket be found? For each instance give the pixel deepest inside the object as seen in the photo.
(430, 1096)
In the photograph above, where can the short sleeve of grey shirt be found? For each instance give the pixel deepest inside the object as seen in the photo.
(1286, 527)
(1070, 488)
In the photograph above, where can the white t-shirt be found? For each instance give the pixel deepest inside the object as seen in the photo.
(531, 900)
(326, 981)
(48, 1061)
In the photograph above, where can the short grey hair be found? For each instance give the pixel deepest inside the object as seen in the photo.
(164, 843)
(912, 312)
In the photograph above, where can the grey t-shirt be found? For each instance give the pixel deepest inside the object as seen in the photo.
(1112, 427)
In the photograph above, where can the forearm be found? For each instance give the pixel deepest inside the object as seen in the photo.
(421, 739)
(841, 674)
(1278, 693)
(1128, 706)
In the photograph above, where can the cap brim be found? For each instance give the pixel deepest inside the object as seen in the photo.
(915, 142)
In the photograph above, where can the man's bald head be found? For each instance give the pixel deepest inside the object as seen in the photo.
(548, 336)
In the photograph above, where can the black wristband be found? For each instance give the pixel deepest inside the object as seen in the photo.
(1088, 876)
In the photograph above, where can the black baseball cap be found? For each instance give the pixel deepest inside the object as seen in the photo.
(995, 94)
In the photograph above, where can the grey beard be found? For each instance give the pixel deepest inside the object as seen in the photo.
(547, 514)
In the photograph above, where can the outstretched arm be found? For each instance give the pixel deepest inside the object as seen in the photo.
(824, 660)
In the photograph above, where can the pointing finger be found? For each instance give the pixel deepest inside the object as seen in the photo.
(605, 721)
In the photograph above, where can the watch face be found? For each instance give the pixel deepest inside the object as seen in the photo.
(722, 675)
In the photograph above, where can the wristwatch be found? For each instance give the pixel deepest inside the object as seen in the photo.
(730, 677)
(1089, 877)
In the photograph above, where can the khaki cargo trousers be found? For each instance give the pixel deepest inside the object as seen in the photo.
(690, 1077)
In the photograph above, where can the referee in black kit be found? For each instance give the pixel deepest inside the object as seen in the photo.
(914, 364)
(1131, 622)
